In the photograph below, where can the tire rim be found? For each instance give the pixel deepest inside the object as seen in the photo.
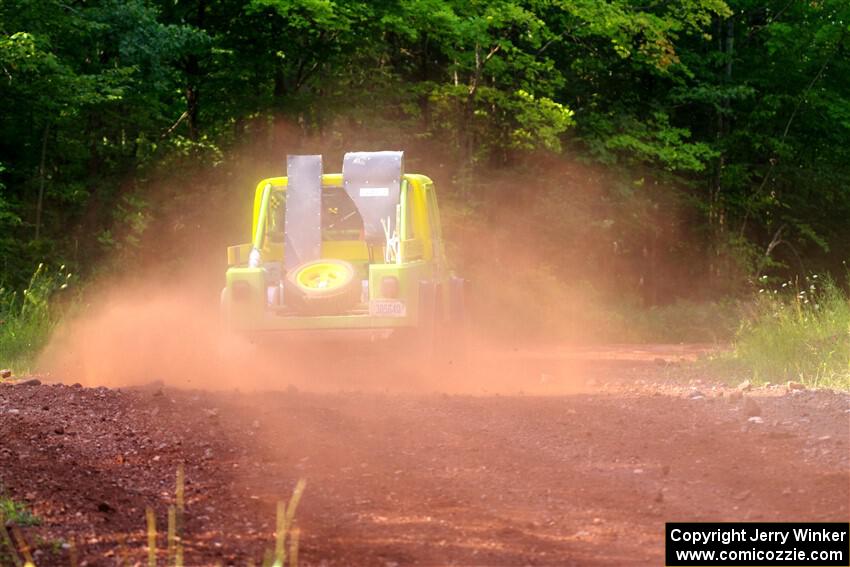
(322, 276)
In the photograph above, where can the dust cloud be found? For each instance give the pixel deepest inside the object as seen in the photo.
(159, 320)
(136, 336)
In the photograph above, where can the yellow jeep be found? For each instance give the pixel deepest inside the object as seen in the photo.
(361, 249)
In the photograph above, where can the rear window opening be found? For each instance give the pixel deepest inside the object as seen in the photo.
(340, 218)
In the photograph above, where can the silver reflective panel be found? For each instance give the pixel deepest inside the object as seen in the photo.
(373, 181)
(303, 225)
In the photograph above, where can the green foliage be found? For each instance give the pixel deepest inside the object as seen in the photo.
(84, 89)
(798, 331)
(653, 141)
(540, 121)
(132, 219)
(683, 321)
(27, 318)
(16, 513)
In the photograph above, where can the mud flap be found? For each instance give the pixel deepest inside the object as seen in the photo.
(454, 326)
(438, 342)
(225, 319)
(426, 344)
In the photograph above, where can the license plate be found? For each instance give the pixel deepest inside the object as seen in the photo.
(387, 308)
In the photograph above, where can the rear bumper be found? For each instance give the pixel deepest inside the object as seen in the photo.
(307, 338)
(245, 306)
(272, 321)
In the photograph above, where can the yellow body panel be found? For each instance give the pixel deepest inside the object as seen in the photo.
(348, 250)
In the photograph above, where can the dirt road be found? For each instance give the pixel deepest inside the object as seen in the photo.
(562, 460)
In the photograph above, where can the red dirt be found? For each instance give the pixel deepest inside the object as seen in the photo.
(569, 459)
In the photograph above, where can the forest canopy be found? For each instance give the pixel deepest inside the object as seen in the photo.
(736, 114)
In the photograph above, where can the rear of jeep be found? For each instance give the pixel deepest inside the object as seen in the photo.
(361, 250)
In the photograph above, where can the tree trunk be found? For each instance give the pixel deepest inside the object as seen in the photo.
(193, 76)
(41, 181)
(424, 76)
(192, 96)
(716, 211)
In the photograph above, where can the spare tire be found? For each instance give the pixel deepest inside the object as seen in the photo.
(322, 287)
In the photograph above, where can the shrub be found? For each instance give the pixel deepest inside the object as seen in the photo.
(27, 317)
(798, 331)
(16, 513)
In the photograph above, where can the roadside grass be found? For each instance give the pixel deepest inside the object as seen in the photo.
(682, 321)
(534, 304)
(799, 331)
(13, 515)
(28, 317)
(16, 513)
(14, 549)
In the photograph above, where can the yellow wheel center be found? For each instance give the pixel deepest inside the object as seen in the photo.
(321, 276)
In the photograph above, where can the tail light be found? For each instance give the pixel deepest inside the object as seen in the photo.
(389, 287)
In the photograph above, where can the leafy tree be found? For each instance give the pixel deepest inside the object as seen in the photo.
(717, 132)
